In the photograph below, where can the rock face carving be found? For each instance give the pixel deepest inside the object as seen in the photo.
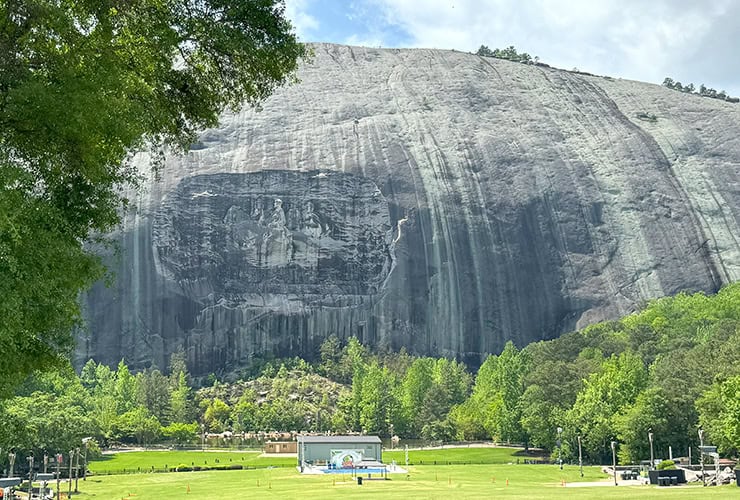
(429, 199)
(245, 237)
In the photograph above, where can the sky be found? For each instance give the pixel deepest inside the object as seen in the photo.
(691, 41)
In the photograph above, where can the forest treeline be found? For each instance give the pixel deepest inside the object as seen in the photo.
(668, 369)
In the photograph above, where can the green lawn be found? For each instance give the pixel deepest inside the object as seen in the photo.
(443, 482)
(145, 460)
(473, 455)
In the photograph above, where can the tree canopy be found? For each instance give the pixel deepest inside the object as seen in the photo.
(83, 85)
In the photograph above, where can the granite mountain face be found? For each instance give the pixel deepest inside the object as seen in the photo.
(430, 199)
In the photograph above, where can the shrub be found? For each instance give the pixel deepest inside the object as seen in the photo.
(183, 468)
(666, 465)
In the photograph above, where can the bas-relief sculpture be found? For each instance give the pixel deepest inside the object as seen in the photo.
(433, 200)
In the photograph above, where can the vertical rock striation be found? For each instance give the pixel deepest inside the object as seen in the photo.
(429, 199)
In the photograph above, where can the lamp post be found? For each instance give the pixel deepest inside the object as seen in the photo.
(580, 455)
(203, 437)
(652, 457)
(77, 468)
(614, 461)
(11, 457)
(69, 475)
(86, 442)
(701, 455)
(559, 443)
(30, 476)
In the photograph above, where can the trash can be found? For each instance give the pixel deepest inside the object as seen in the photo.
(737, 477)
(359, 480)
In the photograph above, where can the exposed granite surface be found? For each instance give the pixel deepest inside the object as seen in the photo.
(430, 199)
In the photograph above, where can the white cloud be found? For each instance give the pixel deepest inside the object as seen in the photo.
(298, 12)
(638, 39)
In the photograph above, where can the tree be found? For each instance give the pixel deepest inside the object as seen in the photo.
(502, 409)
(217, 415)
(648, 414)
(484, 51)
(719, 414)
(83, 85)
(154, 393)
(126, 389)
(605, 394)
(181, 409)
(181, 433)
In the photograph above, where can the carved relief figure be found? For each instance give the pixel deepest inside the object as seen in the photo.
(277, 240)
(312, 225)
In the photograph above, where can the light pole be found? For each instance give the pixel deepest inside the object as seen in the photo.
(86, 442)
(560, 443)
(69, 476)
(614, 461)
(701, 455)
(580, 455)
(652, 457)
(30, 476)
(77, 469)
(11, 457)
(203, 437)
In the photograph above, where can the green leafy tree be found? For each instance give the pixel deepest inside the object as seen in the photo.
(126, 389)
(605, 394)
(182, 434)
(246, 412)
(650, 413)
(502, 406)
(483, 50)
(84, 84)
(154, 393)
(217, 415)
(137, 426)
(181, 404)
(719, 414)
(379, 406)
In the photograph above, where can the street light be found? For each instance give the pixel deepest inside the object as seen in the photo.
(580, 455)
(701, 455)
(559, 443)
(11, 457)
(77, 469)
(30, 476)
(614, 461)
(652, 457)
(86, 442)
(203, 437)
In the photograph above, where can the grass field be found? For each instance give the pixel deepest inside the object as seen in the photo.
(145, 460)
(458, 481)
(422, 481)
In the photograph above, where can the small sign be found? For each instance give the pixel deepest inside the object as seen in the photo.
(60, 458)
(708, 449)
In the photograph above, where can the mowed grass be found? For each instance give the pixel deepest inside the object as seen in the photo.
(429, 482)
(487, 455)
(145, 460)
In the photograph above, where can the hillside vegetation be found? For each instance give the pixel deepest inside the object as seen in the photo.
(667, 369)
